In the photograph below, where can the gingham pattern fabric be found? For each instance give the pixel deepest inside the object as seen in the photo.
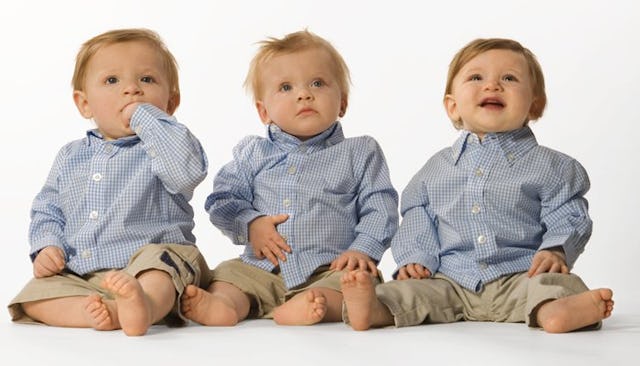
(336, 191)
(105, 199)
(479, 210)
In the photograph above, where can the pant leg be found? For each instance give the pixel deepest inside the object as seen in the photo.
(551, 286)
(413, 302)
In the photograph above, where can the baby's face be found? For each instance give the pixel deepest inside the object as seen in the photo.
(493, 92)
(118, 75)
(300, 93)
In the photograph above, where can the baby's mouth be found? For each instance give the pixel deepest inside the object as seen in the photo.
(492, 103)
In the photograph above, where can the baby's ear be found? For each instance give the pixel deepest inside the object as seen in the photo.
(343, 108)
(173, 104)
(535, 111)
(80, 98)
(262, 112)
(451, 107)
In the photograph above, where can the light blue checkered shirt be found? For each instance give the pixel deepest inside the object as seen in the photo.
(105, 199)
(336, 191)
(478, 211)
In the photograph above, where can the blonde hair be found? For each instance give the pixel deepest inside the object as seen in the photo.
(294, 42)
(478, 46)
(90, 47)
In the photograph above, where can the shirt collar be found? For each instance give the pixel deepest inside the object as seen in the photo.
(94, 136)
(329, 137)
(513, 144)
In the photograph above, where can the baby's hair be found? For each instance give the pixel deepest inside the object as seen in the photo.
(294, 42)
(90, 47)
(478, 46)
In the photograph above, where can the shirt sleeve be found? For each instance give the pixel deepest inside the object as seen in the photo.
(377, 205)
(564, 211)
(47, 219)
(230, 205)
(178, 159)
(417, 238)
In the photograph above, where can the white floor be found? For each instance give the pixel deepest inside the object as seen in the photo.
(260, 342)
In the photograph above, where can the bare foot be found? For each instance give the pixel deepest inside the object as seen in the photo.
(133, 309)
(99, 315)
(363, 307)
(576, 311)
(306, 308)
(208, 308)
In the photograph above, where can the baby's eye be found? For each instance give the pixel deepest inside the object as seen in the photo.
(147, 79)
(510, 78)
(111, 80)
(475, 77)
(317, 83)
(285, 87)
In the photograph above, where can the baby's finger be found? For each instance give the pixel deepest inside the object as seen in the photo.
(281, 244)
(362, 264)
(352, 263)
(272, 258)
(402, 274)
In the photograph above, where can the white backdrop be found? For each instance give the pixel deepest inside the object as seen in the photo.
(398, 52)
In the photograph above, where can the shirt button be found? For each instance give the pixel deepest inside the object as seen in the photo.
(240, 238)
(292, 170)
(483, 265)
(285, 237)
(286, 202)
(97, 177)
(86, 253)
(93, 215)
(479, 172)
(475, 208)
(138, 130)
(152, 153)
(108, 148)
(482, 239)
(510, 156)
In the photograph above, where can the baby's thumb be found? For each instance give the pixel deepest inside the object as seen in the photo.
(279, 219)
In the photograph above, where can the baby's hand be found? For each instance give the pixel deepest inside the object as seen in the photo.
(548, 261)
(50, 261)
(265, 239)
(128, 111)
(413, 271)
(351, 260)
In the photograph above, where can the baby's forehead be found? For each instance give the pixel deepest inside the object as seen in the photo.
(502, 59)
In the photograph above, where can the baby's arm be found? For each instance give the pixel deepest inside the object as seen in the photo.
(49, 261)
(177, 157)
(377, 205)
(416, 247)
(565, 210)
(265, 239)
(548, 261)
(230, 205)
(46, 230)
(352, 259)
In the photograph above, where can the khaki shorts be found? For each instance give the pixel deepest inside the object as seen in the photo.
(513, 298)
(184, 263)
(266, 290)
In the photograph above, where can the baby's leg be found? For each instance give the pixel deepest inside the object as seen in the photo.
(363, 307)
(319, 304)
(133, 307)
(575, 311)
(63, 311)
(223, 304)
